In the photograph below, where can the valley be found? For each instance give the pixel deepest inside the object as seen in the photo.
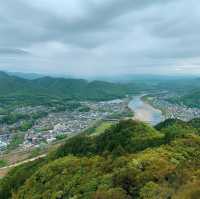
(29, 123)
(99, 99)
(120, 132)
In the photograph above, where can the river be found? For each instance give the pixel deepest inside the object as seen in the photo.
(144, 111)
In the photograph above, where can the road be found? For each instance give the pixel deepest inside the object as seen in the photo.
(22, 162)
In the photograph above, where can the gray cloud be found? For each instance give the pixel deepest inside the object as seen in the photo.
(100, 36)
(12, 51)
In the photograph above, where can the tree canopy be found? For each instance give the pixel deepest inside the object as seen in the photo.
(129, 160)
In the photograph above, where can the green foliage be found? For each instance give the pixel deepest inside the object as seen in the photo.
(127, 136)
(100, 128)
(16, 178)
(195, 123)
(61, 137)
(3, 163)
(16, 140)
(79, 145)
(114, 193)
(188, 92)
(192, 99)
(174, 128)
(25, 125)
(37, 151)
(129, 160)
(13, 118)
(130, 135)
(169, 122)
(15, 91)
(84, 109)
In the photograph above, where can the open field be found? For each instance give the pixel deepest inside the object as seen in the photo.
(101, 128)
(17, 157)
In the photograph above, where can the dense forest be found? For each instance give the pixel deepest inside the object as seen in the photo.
(129, 160)
(187, 91)
(15, 90)
(191, 99)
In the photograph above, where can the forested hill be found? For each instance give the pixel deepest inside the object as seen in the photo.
(129, 160)
(191, 99)
(187, 91)
(60, 88)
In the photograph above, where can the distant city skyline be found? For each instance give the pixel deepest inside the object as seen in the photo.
(100, 37)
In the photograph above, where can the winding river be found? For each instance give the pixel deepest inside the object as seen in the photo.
(144, 111)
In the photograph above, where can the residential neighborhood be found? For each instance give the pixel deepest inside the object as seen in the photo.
(49, 128)
(173, 110)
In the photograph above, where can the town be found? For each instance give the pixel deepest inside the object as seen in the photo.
(172, 110)
(56, 125)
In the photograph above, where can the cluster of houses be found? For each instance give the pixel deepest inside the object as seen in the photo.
(172, 110)
(65, 123)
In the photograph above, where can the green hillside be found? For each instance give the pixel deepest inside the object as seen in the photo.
(128, 160)
(15, 90)
(189, 92)
(192, 99)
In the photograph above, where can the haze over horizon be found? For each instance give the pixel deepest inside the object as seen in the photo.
(100, 37)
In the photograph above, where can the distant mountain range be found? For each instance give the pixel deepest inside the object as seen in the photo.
(126, 78)
(34, 86)
(80, 89)
(29, 76)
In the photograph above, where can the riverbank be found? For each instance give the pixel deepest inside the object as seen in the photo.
(172, 110)
(147, 99)
(144, 111)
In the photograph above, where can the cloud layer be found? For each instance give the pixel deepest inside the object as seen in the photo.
(100, 37)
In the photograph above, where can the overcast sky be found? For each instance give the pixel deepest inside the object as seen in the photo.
(100, 37)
